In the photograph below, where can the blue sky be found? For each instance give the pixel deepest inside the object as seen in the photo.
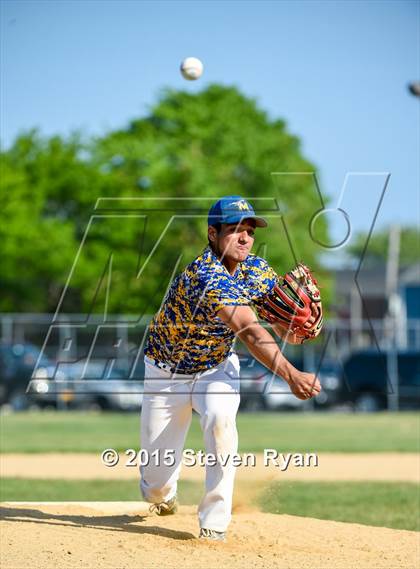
(337, 72)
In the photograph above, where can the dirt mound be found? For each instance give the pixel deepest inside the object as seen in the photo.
(125, 535)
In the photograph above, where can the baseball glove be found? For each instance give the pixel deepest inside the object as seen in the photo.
(294, 304)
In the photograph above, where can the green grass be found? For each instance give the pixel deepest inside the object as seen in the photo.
(35, 490)
(388, 504)
(394, 505)
(287, 432)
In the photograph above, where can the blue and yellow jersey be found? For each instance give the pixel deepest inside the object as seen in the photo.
(186, 332)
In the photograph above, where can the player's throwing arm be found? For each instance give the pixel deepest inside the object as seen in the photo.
(241, 319)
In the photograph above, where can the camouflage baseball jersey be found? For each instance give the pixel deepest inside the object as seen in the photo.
(186, 332)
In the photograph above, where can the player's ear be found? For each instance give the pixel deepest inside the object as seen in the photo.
(212, 234)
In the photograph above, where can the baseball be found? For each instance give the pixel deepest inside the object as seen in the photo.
(191, 68)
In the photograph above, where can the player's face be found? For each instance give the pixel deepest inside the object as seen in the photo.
(234, 241)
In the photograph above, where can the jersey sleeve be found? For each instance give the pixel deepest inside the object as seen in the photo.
(260, 278)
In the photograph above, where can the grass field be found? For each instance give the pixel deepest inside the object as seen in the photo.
(287, 432)
(393, 505)
(390, 504)
(33, 490)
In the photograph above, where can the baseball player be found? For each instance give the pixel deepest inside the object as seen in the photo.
(190, 362)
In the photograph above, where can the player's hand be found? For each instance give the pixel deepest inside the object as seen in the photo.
(304, 385)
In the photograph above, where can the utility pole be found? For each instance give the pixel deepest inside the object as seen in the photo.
(394, 310)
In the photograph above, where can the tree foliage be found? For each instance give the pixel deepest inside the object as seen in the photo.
(377, 249)
(195, 147)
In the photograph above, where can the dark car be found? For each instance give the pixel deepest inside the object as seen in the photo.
(366, 383)
(17, 362)
(330, 377)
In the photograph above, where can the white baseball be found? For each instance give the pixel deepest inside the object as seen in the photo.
(191, 68)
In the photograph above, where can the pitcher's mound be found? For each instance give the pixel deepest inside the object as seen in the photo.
(123, 534)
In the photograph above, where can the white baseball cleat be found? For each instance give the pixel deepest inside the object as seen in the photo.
(165, 508)
(212, 534)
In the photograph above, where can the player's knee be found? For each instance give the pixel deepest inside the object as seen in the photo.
(223, 430)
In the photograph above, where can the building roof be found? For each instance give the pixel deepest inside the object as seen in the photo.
(372, 280)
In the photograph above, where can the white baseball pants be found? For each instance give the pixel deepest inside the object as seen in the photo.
(168, 402)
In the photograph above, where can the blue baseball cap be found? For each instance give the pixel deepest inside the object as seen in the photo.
(233, 209)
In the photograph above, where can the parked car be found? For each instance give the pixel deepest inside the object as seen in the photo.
(366, 382)
(17, 363)
(253, 379)
(260, 390)
(278, 395)
(91, 386)
(330, 376)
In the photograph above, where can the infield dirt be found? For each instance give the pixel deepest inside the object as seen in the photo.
(125, 535)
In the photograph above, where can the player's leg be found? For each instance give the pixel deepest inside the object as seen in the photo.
(216, 398)
(165, 419)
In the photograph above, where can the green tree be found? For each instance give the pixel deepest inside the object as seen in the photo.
(205, 145)
(46, 196)
(377, 250)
